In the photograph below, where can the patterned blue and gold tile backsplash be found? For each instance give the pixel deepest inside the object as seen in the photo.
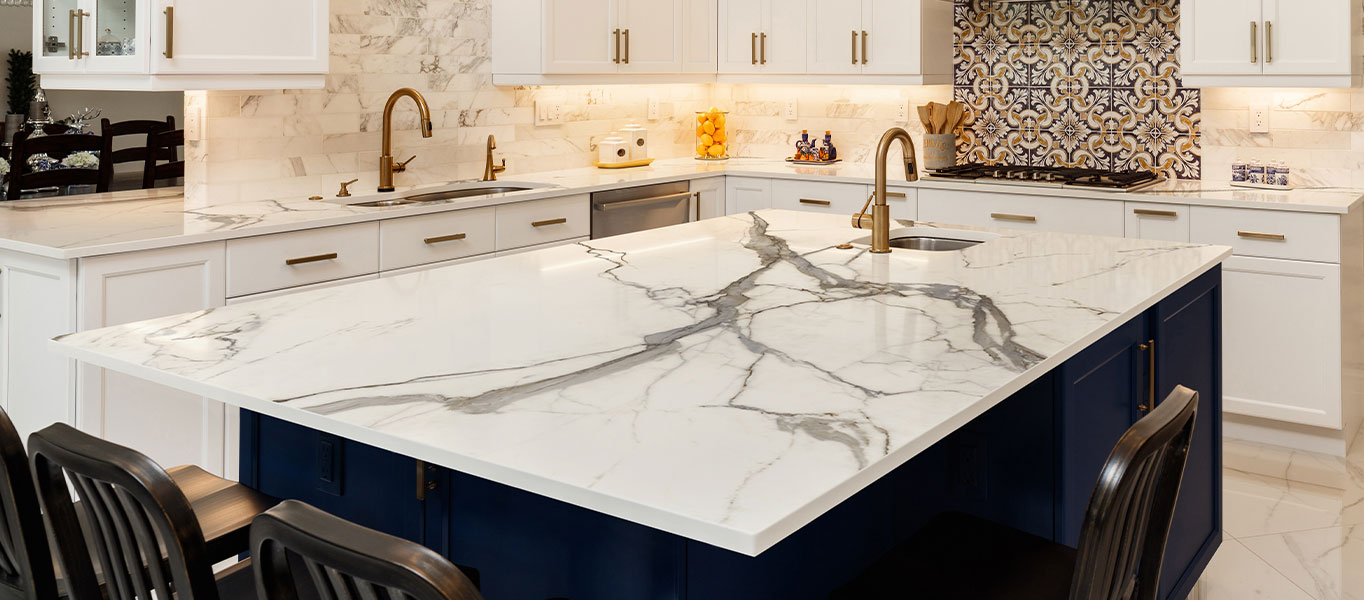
(1076, 83)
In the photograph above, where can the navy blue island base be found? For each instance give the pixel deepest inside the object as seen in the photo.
(1030, 462)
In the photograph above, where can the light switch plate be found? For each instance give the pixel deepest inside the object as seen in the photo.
(548, 113)
(653, 109)
(1259, 119)
(790, 111)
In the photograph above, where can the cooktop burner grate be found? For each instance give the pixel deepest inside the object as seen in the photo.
(1095, 178)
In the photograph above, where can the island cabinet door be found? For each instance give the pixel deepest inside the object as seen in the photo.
(1187, 332)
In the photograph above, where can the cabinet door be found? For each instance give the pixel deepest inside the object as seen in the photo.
(580, 36)
(834, 36)
(1308, 37)
(894, 30)
(1164, 222)
(55, 41)
(821, 197)
(710, 197)
(243, 36)
(741, 22)
(36, 305)
(118, 40)
(785, 24)
(170, 426)
(743, 195)
(700, 36)
(1221, 37)
(652, 36)
(1282, 340)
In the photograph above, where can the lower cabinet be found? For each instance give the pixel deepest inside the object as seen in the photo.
(747, 194)
(1164, 222)
(37, 387)
(709, 195)
(1019, 211)
(842, 199)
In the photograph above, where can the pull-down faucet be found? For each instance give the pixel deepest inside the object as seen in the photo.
(879, 222)
(386, 166)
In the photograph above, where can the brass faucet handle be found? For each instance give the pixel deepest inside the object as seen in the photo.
(500, 168)
(402, 166)
(345, 188)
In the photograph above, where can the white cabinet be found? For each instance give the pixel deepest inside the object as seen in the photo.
(745, 194)
(37, 387)
(762, 36)
(651, 32)
(1017, 211)
(436, 238)
(1282, 340)
(709, 196)
(170, 426)
(543, 221)
(159, 45)
(1297, 43)
(284, 260)
(910, 39)
(1165, 222)
(823, 197)
(581, 36)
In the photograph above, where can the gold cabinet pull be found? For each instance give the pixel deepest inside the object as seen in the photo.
(1146, 212)
(1009, 217)
(1150, 349)
(763, 52)
(854, 47)
(616, 59)
(310, 259)
(1269, 42)
(1254, 42)
(815, 202)
(70, 34)
(422, 483)
(170, 32)
(627, 46)
(445, 238)
(753, 48)
(559, 221)
(864, 46)
(80, 34)
(1269, 237)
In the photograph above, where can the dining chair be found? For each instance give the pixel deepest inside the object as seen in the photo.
(1122, 539)
(165, 162)
(149, 532)
(109, 158)
(22, 177)
(346, 561)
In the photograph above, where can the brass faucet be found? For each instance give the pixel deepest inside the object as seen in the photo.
(386, 166)
(491, 170)
(879, 222)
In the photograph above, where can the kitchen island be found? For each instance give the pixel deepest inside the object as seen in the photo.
(734, 408)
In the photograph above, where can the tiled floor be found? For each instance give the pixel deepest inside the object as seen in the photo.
(1294, 527)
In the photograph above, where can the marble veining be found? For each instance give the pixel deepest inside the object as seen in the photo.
(728, 380)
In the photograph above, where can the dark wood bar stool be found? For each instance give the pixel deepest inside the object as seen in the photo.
(145, 532)
(110, 158)
(163, 146)
(1122, 541)
(346, 561)
(56, 146)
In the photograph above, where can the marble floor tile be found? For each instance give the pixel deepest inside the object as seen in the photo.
(1257, 505)
(1328, 563)
(1285, 463)
(1236, 573)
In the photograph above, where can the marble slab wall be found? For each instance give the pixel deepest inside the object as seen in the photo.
(1076, 83)
(1318, 132)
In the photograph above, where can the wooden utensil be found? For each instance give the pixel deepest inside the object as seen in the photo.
(940, 119)
(926, 116)
(956, 112)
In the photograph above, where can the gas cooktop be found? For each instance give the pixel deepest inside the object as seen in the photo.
(1117, 181)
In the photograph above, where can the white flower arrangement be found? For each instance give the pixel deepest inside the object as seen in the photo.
(81, 160)
(4, 168)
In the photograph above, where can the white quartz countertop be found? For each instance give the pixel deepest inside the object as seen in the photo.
(727, 381)
(100, 224)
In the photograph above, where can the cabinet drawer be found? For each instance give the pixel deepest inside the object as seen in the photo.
(274, 262)
(820, 197)
(1268, 233)
(1163, 222)
(427, 239)
(543, 221)
(1018, 211)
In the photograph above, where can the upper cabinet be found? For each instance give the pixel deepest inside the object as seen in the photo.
(162, 45)
(801, 41)
(1297, 43)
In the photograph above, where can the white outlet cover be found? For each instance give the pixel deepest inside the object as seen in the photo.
(902, 112)
(653, 109)
(1259, 119)
(791, 111)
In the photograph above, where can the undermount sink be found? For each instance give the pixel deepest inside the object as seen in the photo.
(932, 244)
(455, 194)
(933, 239)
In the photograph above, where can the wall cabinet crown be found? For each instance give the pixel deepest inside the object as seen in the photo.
(164, 45)
(1267, 43)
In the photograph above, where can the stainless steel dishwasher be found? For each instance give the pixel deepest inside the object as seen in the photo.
(640, 208)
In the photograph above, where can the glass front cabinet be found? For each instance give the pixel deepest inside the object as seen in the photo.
(149, 44)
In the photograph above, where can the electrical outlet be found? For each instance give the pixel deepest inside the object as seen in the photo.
(653, 109)
(791, 110)
(548, 113)
(1259, 119)
(902, 112)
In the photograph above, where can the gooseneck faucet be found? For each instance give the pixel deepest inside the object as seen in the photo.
(386, 166)
(880, 212)
(491, 170)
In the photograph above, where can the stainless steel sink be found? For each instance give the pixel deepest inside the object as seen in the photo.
(932, 244)
(446, 195)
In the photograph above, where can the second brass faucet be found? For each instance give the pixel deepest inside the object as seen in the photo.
(880, 213)
(386, 166)
(491, 170)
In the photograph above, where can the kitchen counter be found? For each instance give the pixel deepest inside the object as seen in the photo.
(101, 224)
(727, 381)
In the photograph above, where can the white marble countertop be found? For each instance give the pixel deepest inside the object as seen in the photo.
(100, 224)
(727, 381)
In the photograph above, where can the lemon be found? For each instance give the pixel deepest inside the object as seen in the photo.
(701, 150)
(717, 150)
(700, 130)
(720, 136)
(707, 140)
(709, 127)
(719, 120)
(702, 118)
(713, 110)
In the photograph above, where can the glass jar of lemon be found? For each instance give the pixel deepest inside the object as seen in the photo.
(712, 135)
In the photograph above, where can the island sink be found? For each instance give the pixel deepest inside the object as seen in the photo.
(932, 239)
(463, 190)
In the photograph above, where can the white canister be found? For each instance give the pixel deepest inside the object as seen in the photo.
(638, 137)
(613, 150)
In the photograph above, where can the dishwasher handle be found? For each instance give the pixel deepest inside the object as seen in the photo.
(604, 206)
